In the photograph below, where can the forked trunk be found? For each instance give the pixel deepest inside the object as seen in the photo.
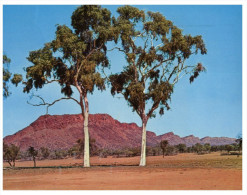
(10, 163)
(86, 135)
(143, 149)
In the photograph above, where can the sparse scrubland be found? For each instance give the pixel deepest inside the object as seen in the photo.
(178, 172)
(217, 167)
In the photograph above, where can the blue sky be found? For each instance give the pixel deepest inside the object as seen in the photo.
(211, 106)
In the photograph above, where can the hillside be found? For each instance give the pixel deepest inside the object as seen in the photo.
(62, 131)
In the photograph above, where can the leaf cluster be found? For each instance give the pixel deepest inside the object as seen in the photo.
(16, 79)
(72, 58)
(155, 51)
(32, 152)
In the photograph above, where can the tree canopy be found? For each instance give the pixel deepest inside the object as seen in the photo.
(71, 58)
(156, 51)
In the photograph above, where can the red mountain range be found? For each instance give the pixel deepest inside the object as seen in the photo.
(62, 131)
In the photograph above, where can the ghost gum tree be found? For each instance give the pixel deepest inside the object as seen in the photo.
(71, 60)
(156, 52)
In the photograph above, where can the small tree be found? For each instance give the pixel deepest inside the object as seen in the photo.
(163, 146)
(33, 153)
(171, 150)
(72, 59)
(214, 148)
(207, 147)
(198, 148)
(156, 52)
(10, 153)
(222, 147)
(156, 151)
(92, 146)
(74, 151)
(181, 148)
(45, 152)
(229, 148)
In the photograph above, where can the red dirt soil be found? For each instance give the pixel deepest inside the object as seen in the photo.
(181, 172)
(126, 178)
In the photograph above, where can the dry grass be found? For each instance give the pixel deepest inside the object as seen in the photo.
(183, 171)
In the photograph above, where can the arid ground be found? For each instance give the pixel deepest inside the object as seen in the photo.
(180, 172)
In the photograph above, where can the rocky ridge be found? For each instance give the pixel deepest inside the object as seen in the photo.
(61, 132)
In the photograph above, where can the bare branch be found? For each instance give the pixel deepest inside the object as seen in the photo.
(116, 48)
(158, 65)
(158, 45)
(51, 81)
(141, 34)
(50, 104)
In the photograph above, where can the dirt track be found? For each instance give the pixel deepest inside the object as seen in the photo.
(182, 172)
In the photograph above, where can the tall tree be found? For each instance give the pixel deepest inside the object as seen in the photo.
(16, 78)
(72, 59)
(156, 52)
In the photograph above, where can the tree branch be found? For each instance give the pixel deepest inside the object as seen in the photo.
(154, 107)
(116, 48)
(50, 104)
(78, 69)
(51, 81)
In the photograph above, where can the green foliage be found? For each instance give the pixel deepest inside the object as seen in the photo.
(32, 153)
(78, 148)
(6, 77)
(171, 150)
(155, 51)
(10, 153)
(163, 145)
(74, 152)
(16, 79)
(207, 147)
(156, 151)
(214, 148)
(181, 148)
(45, 152)
(198, 148)
(229, 148)
(103, 153)
(80, 51)
(73, 58)
(60, 154)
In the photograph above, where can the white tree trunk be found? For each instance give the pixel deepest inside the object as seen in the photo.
(86, 135)
(143, 149)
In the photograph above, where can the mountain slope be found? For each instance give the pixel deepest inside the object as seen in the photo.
(62, 131)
